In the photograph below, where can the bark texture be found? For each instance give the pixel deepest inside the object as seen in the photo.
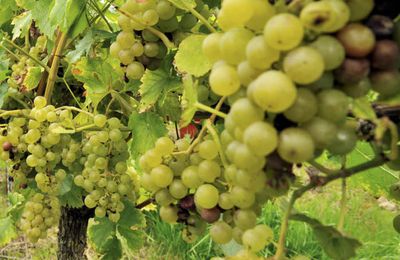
(72, 233)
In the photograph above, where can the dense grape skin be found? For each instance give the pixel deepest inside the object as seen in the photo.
(211, 46)
(263, 11)
(221, 232)
(234, 13)
(259, 54)
(261, 138)
(357, 40)
(352, 71)
(304, 108)
(247, 73)
(359, 9)
(331, 50)
(386, 83)
(296, 145)
(321, 16)
(322, 131)
(358, 89)
(169, 214)
(303, 65)
(233, 45)
(333, 105)
(386, 55)
(273, 91)
(206, 196)
(224, 80)
(283, 32)
(244, 112)
(344, 142)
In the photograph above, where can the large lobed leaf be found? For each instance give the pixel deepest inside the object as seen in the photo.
(7, 230)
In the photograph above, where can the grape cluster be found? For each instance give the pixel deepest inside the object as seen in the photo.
(192, 189)
(26, 66)
(40, 213)
(136, 46)
(105, 175)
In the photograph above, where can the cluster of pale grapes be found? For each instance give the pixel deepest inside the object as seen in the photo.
(106, 176)
(23, 69)
(136, 46)
(193, 189)
(40, 213)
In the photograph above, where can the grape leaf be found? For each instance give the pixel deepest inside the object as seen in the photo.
(170, 107)
(7, 10)
(184, 4)
(146, 128)
(7, 230)
(72, 194)
(65, 12)
(131, 240)
(155, 85)
(112, 249)
(33, 77)
(3, 92)
(190, 57)
(131, 216)
(362, 108)
(189, 100)
(335, 244)
(21, 24)
(100, 231)
(4, 63)
(17, 205)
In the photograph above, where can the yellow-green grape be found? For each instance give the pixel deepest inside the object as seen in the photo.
(163, 197)
(147, 182)
(273, 91)
(359, 9)
(162, 176)
(209, 170)
(263, 11)
(135, 70)
(233, 45)
(224, 80)
(245, 219)
(208, 150)
(164, 146)
(259, 54)
(177, 189)
(39, 102)
(211, 46)
(235, 13)
(126, 56)
(225, 201)
(261, 138)
(304, 108)
(283, 32)
(243, 113)
(221, 232)
(125, 39)
(247, 73)
(169, 214)
(331, 49)
(242, 197)
(190, 177)
(295, 145)
(253, 241)
(206, 196)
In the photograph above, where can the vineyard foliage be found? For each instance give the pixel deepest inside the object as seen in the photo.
(206, 109)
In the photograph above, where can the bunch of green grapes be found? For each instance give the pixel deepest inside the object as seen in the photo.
(194, 189)
(136, 46)
(105, 175)
(26, 66)
(41, 212)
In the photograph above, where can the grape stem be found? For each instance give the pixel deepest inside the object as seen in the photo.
(322, 168)
(321, 181)
(145, 203)
(101, 14)
(13, 55)
(343, 202)
(54, 67)
(72, 93)
(202, 19)
(27, 54)
(75, 109)
(153, 30)
(210, 110)
(214, 134)
(14, 113)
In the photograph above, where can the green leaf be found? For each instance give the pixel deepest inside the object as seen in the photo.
(131, 216)
(155, 85)
(100, 232)
(7, 230)
(66, 185)
(131, 240)
(362, 108)
(17, 205)
(21, 24)
(189, 100)
(65, 12)
(33, 77)
(4, 66)
(3, 92)
(82, 47)
(170, 107)
(7, 10)
(112, 249)
(146, 128)
(335, 244)
(184, 4)
(72, 194)
(190, 57)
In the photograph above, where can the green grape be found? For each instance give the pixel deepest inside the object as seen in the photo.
(152, 158)
(237, 234)
(358, 89)
(233, 45)
(224, 80)
(295, 145)
(164, 146)
(190, 177)
(242, 197)
(188, 21)
(230, 174)
(283, 32)
(342, 12)
(252, 240)
(182, 144)
(125, 23)
(359, 9)
(247, 73)
(114, 217)
(332, 51)
(259, 54)
(165, 9)
(126, 56)
(225, 201)
(263, 11)
(396, 223)
(358, 40)
(326, 81)
(322, 131)
(265, 232)
(344, 141)
(177, 189)
(244, 159)
(386, 83)
(89, 202)
(163, 197)
(209, 170)
(125, 39)
(39, 102)
(151, 49)
(202, 93)
(79, 180)
(39, 114)
(123, 189)
(333, 105)
(162, 176)
(243, 113)
(208, 150)
(130, 6)
(304, 108)
(235, 13)
(304, 65)
(150, 17)
(221, 232)
(135, 70)
(226, 138)
(206, 196)
(137, 49)
(273, 91)
(169, 25)
(245, 219)
(112, 186)
(100, 212)
(195, 159)
(32, 161)
(261, 138)
(169, 214)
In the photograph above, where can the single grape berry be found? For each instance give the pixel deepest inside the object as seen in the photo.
(7, 146)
